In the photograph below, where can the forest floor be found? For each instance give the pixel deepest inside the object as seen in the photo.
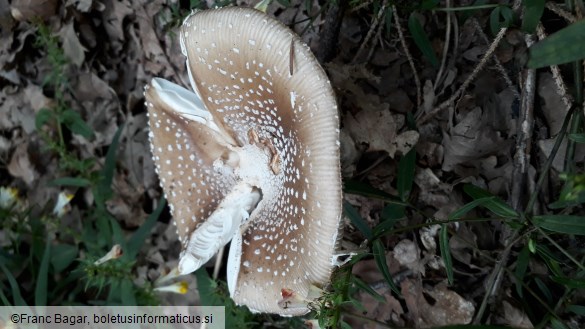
(72, 79)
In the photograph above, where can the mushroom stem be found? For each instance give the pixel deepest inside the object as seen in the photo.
(220, 228)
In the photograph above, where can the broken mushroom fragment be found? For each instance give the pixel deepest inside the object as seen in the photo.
(251, 156)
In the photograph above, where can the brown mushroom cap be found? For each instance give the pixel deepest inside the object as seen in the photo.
(239, 60)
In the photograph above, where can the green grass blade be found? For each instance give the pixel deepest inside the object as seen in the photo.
(579, 138)
(380, 258)
(564, 46)
(3, 297)
(422, 40)
(127, 293)
(363, 189)
(62, 255)
(137, 240)
(104, 189)
(446, 252)
(497, 206)
(577, 309)
(16, 296)
(556, 324)
(357, 220)
(406, 168)
(366, 287)
(521, 267)
(459, 213)
(570, 282)
(566, 224)
(41, 288)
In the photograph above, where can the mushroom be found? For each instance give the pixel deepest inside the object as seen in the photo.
(251, 156)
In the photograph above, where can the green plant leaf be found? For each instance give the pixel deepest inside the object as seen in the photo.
(127, 293)
(551, 260)
(566, 224)
(70, 181)
(359, 188)
(41, 289)
(446, 252)
(380, 258)
(137, 240)
(103, 190)
(391, 214)
(62, 255)
(366, 287)
(533, 10)
(42, 117)
(521, 267)
(429, 4)
(459, 213)
(564, 46)
(579, 138)
(75, 123)
(422, 40)
(577, 309)
(406, 168)
(499, 18)
(556, 324)
(16, 296)
(357, 220)
(495, 205)
(570, 282)
(207, 288)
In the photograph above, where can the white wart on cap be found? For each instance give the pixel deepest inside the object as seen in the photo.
(251, 156)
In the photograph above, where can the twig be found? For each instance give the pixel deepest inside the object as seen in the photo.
(376, 37)
(409, 57)
(371, 31)
(555, 8)
(468, 81)
(551, 157)
(525, 126)
(362, 5)
(556, 72)
(499, 65)
(439, 78)
(495, 277)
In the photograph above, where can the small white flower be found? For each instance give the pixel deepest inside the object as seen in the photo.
(178, 287)
(171, 275)
(115, 252)
(8, 197)
(62, 205)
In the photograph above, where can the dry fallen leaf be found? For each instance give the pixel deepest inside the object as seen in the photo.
(407, 254)
(72, 48)
(514, 317)
(26, 10)
(471, 139)
(378, 130)
(448, 307)
(20, 165)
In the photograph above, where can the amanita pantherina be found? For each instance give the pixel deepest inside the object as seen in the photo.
(251, 156)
